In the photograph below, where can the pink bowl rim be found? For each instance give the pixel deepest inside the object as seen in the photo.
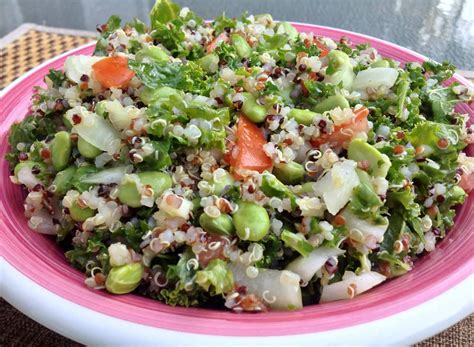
(274, 323)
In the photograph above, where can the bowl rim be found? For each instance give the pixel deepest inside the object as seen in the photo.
(458, 278)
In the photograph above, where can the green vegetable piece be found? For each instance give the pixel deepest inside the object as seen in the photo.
(240, 44)
(272, 187)
(364, 197)
(29, 164)
(297, 242)
(82, 173)
(288, 29)
(67, 122)
(379, 163)
(158, 181)
(152, 52)
(63, 180)
(302, 116)
(124, 279)
(339, 69)
(221, 225)
(216, 277)
(163, 11)
(209, 63)
(61, 150)
(255, 112)
(80, 214)
(86, 149)
(330, 103)
(289, 173)
(151, 95)
(251, 221)
(223, 181)
(380, 63)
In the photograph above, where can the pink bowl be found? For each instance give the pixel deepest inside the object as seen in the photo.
(38, 258)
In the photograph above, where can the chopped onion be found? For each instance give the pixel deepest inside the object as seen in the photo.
(364, 226)
(306, 267)
(108, 176)
(279, 290)
(26, 177)
(336, 186)
(351, 285)
(77, 65)
(375, 78)
(95, 130)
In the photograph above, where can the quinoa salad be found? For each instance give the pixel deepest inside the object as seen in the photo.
(239, 164)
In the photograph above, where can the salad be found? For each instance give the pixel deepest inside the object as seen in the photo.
(241, 164)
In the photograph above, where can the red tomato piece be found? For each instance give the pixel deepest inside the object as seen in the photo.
(248, 152)
(214, 43)
(344, 133)
(113, 72)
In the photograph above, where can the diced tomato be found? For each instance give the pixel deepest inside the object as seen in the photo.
(322, 47)
(467, 182)
(344, 133)
(214, 43)
(113, 72)
(248, 152)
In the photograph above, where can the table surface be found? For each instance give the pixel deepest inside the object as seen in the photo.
(440, 29)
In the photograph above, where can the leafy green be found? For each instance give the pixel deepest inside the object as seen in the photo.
(112, 24)
(163, 11)
(57, 77)
(188, 77)
(216, 276)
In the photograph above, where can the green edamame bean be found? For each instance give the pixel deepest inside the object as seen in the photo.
(224, 181)
(67, 122)
(152, 52)
(86, 149)
(271, 186)
(221, 225)
(209, 63)
(80, 214)
(288, 29)
(124, 279)
(101, 108)
(380, 63)
(339, 69)
(251, 221)
(289, 173)
(158, 181)
(331, 103)
(63, 180)
(336, 61)
(302, 116)
(240, 44)
(61, 150)
(30, 165)
(255, 112)
(307, 187)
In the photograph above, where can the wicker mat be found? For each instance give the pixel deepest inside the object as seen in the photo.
(24, 49)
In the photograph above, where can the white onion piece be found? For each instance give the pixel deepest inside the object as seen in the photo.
(42, 222)
(351, 285)
(26, 177)
(108, 176)
(118, 115)
(365, 227)
(77, 65)
(95, 130)
(375, 78)
(306, 267)
(336, 186)
(280, 290)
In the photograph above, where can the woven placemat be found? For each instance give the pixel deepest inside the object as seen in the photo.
(26, 48)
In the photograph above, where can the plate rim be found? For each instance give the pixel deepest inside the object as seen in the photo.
(468, 307)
